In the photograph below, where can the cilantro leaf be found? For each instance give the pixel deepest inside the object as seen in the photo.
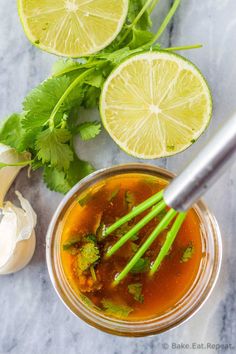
(78, 169)
(56, 180)
(139, 38)
(69, 67)
(91, 97)
(116, 310)
(88, 255)
(11, 131)
(27, 141)
(41, 101)
(52, 148)
(88, 130)
(95, 79)
(142, 266)
(188, 253)
(63, 181)
(136, 290)
(63, 66)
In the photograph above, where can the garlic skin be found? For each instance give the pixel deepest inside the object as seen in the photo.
(17, 236)
(8, 174)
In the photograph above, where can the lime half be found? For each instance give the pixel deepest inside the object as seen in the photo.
(155, 104)
(72, 28)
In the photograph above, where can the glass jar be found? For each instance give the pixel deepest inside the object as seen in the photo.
(186, 307)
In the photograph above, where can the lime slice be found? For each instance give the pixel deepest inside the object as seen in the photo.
(72, 28)
(155, 104)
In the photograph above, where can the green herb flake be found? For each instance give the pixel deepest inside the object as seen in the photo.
(113, 194)
(88, 256)
(193, 141)
(134, 247)
(170, 147)
(141, 266)
(123, 229)
(101, 232)
(135, 237)
(162, 214)
(116, 310)
(88, 302)
(188, 253)
(91, 238)
(129, 200)
(74, 241)
(83, 201)
(136, 290)
(93, 273)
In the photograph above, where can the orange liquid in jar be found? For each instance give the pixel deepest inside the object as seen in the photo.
(104, 203)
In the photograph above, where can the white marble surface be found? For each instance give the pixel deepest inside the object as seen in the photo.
(32, 318)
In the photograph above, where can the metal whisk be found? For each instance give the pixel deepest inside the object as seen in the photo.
(179, 196)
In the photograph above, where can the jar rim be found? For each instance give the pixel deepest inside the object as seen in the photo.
(193, 299)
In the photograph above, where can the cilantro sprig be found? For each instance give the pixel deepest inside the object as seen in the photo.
(50, 120)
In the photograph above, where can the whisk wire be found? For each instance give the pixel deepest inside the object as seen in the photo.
(154, 212)
(171, 235)
(160, 227)
(136, 211)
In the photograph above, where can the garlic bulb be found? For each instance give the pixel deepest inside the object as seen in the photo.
(8, 174)
(17, 236)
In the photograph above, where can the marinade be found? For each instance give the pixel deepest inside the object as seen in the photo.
(83, 247)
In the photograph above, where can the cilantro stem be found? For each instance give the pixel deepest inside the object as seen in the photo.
(165, 22)
(66, 94)
(135, 21)
(187, 47)
(82, 66)
(168, 242)
(153, 5)
(21, 163)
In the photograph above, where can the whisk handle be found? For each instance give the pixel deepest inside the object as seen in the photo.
(204, 170)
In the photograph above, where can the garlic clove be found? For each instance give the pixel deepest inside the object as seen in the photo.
(17, 236)
(21, 256)
(26, 222)
(8, 174)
